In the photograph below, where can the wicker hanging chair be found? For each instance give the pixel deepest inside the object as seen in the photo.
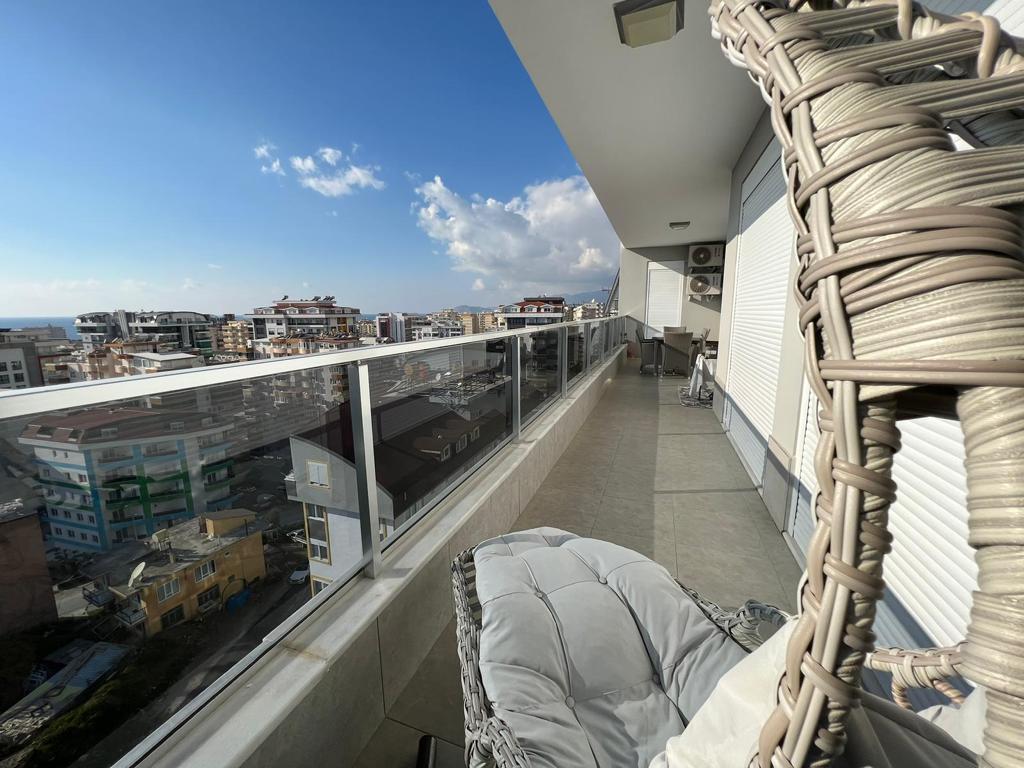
(911, 289)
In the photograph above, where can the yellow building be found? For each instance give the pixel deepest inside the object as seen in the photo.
(470, 323)
(182, 573)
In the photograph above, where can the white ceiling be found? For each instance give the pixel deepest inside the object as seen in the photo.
(655, 129)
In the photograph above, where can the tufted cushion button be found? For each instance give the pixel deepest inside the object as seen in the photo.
(538, 593)
(602, 580)
(570, 702)
(656, 678)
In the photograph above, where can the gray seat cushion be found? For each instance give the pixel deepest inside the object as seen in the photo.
(589, 651)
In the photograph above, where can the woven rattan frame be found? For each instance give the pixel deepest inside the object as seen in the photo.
(911, 290)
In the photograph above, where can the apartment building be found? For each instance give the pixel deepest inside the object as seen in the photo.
(439, 328)
(127, 358)
(531, 311)
(26, 594)
(367, 329)
(176, 329)
(488, 321)
(301, 344)
(183, 572)
(591, 310)
(235, 337)
(400, 326)
(47, 339)
(318, 315)
(470, 323)
(19, 365)
(113, 475)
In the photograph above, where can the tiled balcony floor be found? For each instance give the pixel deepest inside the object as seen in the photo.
(646, 473)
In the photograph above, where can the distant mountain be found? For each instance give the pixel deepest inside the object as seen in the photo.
(471, 308)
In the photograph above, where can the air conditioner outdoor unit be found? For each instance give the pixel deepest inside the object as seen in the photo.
(704, 285)
(706, 257)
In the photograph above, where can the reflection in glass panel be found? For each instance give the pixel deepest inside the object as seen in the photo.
(435, 414)
(123, 524)
(577, 352)
(596, 342)
(540, 379)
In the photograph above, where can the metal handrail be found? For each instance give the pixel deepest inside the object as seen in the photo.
(27, 402)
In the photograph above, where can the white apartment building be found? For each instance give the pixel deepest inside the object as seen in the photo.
(438, 329)
(179, 329)
(400, 326)
(158, 362)
(319, 315)
(588, 311)
(531, 311)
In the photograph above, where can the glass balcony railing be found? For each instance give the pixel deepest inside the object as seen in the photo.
(289, 478)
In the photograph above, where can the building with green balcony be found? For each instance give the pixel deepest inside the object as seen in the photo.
(116, 475)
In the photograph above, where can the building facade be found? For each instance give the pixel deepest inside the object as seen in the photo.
(114, 475)
(184, 572)
(589, 311)
(19, 366)
(319, 315)
(26, 594)
(470, 323)
(531, 311)
(174, 329)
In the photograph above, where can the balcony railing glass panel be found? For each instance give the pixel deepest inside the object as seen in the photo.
(435, 415)
(540, 375)
(577, 352)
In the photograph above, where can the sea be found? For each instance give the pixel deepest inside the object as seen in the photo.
(67, 323)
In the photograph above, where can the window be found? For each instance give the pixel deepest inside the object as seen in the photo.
(80, 516)
(91, 519)
(316, 512)
(19, 377)
(319, 552)
(108, 432)
(16, 366)
(83, 478)
(95, 538)
(5, 378)
(172, 617)
(3, 366)
(205, 570)
(58, 531)
(319, 585)
(177, 426)
(208, 599)
(316, 471)
(168, 589)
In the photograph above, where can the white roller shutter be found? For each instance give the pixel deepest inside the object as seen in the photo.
(764, 258)
(931, 570)
(664, 297)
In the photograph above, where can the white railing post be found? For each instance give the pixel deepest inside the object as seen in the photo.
(366, 470)
(515, 349)
(587, 344)
(563, 361)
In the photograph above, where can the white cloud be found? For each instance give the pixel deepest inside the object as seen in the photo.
(214, 266)
(274, 168)
(330, 155)
(263, 151)
(478, 285)
(189, 284)
(553, 237)
(304, 165)
(343, 182)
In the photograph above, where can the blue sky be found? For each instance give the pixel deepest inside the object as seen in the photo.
(140, 138)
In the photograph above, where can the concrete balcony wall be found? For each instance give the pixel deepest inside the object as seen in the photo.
(321, 693)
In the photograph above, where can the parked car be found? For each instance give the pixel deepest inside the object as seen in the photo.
(299, 576)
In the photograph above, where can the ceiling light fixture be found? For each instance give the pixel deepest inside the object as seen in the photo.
(678, 224)
(642, 22)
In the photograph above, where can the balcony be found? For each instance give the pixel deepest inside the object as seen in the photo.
(97, 594)
(131, 615)
(527, 448)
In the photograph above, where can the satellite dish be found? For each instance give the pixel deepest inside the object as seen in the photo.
(136, 574)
